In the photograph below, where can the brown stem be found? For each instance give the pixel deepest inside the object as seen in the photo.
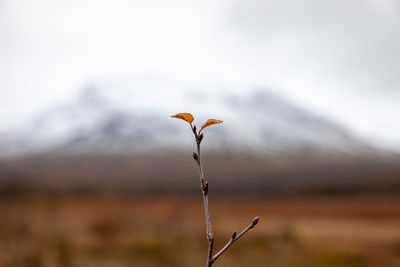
(204, 187)
(234, 238)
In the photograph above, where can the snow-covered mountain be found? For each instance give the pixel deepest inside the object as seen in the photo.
(135, 117)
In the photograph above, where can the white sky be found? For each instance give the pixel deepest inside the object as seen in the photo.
(339, 58)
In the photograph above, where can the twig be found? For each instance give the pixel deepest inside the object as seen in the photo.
(204, 188)
(234, 238)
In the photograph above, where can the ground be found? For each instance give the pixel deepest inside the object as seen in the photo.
(170, 231)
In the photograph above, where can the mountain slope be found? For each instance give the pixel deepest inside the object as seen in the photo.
(106, 119)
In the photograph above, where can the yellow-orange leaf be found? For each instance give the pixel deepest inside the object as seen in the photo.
(184, 116)
(208, 123)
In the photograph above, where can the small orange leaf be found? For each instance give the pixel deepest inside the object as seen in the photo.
(184, 116)
(208, 123)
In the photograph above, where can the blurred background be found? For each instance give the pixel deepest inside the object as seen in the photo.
(94, 172)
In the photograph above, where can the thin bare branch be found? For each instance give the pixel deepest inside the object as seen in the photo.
(234, 238)
(204, 187)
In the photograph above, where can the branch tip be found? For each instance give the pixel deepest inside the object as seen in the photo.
(255, 221)
(235, 237)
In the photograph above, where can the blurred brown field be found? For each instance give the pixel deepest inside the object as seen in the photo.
(170, 231)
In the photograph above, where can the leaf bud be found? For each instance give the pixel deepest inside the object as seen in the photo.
(234, 235)
(255, 221)
(201, 137)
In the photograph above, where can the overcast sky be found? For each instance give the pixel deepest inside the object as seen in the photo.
(338, 58)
